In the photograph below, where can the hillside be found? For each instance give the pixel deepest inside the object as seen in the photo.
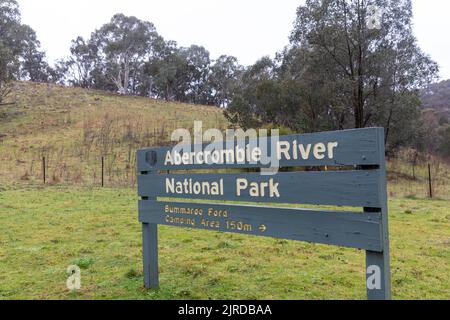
(73, 128)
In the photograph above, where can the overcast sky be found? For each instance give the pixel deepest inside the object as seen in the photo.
(247, 29)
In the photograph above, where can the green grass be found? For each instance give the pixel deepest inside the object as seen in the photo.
(44, 230)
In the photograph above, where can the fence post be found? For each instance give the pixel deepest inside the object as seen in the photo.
(103, 172)
(430, 184)
(43, 170)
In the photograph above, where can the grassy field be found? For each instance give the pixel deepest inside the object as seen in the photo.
(44, 230)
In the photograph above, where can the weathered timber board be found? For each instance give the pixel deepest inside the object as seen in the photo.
(355, 147)
(341, 188)
(354, 230)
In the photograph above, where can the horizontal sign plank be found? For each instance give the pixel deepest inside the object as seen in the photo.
(354, 230)
(340, 148)
(341, 188)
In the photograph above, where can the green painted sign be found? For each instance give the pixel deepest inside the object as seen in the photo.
(355, 177)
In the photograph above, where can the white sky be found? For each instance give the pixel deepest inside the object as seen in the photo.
(247, 29)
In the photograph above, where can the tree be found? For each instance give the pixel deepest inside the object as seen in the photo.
(317, 96)
(249, 106)
(82, 62)
(9, 48)
(180, 74)
(124, 45)
(33, 60)
(166, 71)
(196, 74)
(225, 74)
(377, 66)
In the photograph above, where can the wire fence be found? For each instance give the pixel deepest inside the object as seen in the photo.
(105, 171)
(425, 179)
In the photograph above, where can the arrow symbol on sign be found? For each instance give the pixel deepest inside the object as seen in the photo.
(262, 228)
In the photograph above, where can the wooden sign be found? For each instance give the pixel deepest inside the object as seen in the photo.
(171, 194)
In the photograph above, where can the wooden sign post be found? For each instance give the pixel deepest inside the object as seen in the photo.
(357, 180)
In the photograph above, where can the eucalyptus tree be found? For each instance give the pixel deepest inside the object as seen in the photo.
(180, 74)
(165, 71)
(223, 80)
(124, 45)
(378, 66)
(10, 49)
(34, 65)
(196, 74)
(82, 62)
(253, 99)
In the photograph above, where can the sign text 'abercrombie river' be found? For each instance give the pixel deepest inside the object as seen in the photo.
(339, 169)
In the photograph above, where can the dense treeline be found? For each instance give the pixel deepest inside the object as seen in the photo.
(126, 56)
(341, 70)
